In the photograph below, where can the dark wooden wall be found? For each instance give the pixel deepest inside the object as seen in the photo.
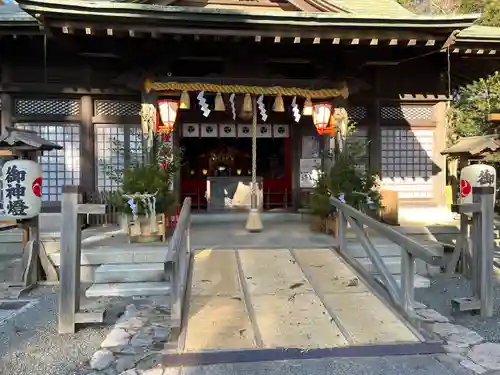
(42, 73)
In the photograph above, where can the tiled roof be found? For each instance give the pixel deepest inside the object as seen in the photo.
(374, 7)
(12, 13)
(476, 33)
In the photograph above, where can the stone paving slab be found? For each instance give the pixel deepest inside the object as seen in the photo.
(280, 298)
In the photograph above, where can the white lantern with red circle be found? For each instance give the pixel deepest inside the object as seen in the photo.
(476, 175)
(21, 189)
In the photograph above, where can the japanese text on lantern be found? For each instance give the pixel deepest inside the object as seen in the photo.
(22, 183)
(15, 192)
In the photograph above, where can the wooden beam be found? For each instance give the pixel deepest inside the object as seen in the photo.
(87, 208)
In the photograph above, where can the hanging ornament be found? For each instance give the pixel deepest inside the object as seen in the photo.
(262, 108)
(296, 110)
(148, 85)
(185, 101)
(308, 108)
(233, 106)
(247, 103)
(203, 103)
(219, 103)
(278, 104)
(323, 119)
(168, 113)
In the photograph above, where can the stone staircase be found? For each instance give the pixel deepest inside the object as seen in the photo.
(391, 256)
(122, 272)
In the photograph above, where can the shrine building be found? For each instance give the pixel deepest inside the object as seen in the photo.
(83, 73)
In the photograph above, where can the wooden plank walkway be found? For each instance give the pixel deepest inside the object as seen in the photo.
(283, 298)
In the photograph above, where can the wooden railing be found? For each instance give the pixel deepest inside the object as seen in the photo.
(475, 247)
(111, 214)
(177, 263)
(402, 295)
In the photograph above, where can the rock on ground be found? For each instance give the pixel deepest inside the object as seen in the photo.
(486, 355)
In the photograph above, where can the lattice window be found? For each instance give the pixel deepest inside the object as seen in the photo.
(59, 167)
(406, 112)
(136, 145)
(356, 113)
(116, 108)
(358, 142)
(109, 138)
(407, 161)
(59, 107)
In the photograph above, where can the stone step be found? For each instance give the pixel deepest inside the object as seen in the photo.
(418, 281)
(11, 242)
(129, 289)
(355, 250)
(392, 263)
(113, 255)
(387, 248)
(394, 266)
(129, 273)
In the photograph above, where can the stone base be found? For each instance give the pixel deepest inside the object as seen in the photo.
(254, 223)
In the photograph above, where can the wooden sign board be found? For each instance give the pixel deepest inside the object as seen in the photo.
(494, 117)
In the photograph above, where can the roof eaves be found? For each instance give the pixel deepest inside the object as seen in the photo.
(169, 13)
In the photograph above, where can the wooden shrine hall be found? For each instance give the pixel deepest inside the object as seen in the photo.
(84, 73)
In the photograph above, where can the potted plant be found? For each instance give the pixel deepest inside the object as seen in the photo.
(145, 194)
(355, 186)
(319, 204)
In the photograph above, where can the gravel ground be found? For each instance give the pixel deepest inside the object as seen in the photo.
(443, 290)
(30, 344)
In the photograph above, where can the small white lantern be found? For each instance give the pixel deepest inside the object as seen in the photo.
(21, 189)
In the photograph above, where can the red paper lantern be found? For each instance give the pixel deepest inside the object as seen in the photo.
(323, 119)
(168, 113)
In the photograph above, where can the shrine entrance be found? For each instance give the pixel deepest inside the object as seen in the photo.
(217, 168)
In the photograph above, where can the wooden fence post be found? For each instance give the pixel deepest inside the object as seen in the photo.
(71, 243)
(69, 270)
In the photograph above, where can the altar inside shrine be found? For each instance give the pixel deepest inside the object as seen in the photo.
(232, 193)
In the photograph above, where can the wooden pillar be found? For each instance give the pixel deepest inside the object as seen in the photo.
(6, 99)
(296, 152)
(87, 149)
(374, 130)
(439, 176)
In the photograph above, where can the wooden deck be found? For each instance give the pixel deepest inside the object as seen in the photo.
(244, 299)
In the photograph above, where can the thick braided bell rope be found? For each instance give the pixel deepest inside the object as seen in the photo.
(253, 90)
